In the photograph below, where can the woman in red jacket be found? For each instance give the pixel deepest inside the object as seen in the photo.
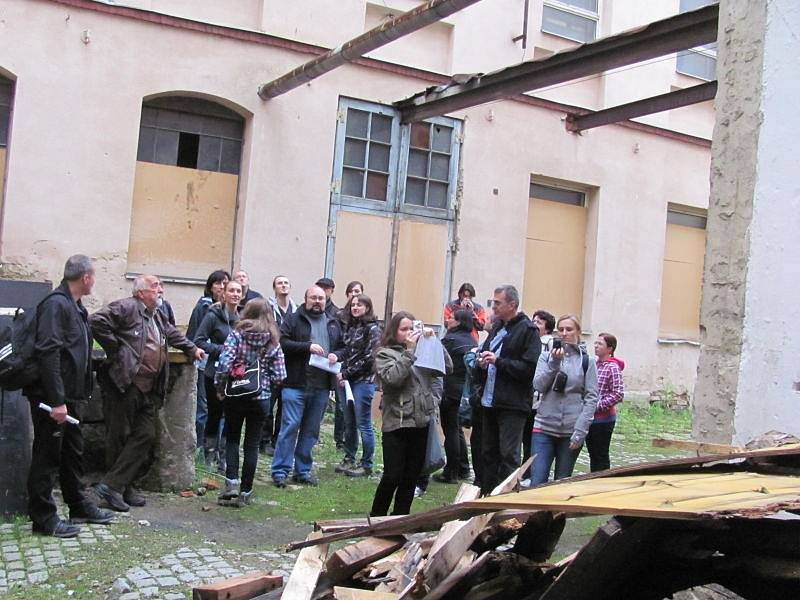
(466, 299)
(610, 391)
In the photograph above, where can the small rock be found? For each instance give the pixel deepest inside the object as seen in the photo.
(121, 586)
(143, 523)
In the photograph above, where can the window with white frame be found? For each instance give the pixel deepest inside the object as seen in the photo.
(383, 165)
(572, 19)
(699, 62)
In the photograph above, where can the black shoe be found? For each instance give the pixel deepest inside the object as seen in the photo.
(345, 465)
(62, 530)
(133, 497)
(112, 497)
(89, 513)
(279, 482)
(442, 478)
(306, 480)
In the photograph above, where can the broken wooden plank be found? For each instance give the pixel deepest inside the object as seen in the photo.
(307, 567)
(348, 560)
(538, 537)
(345, 593)
(701, 448)
(403, 574)
(460, 573)
(496, 534)
(337, 525)
(238, 588)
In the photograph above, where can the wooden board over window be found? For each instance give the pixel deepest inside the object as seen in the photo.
(684, 255)
(182, 221)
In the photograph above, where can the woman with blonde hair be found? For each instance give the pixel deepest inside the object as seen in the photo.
(566, 378)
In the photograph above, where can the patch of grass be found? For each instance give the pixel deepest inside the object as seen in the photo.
(654, 421)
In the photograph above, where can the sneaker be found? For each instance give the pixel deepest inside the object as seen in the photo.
(306, 480)
(345, 465)
(360, 471)
(443, 478)
(62, 530)
(111, 497)
(279, 482)
(245, 498)
(89, 513)
(231, 489)
(418, 492)
(134, 497)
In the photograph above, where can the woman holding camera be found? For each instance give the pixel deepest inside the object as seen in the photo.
(466, 300)
(566, 378)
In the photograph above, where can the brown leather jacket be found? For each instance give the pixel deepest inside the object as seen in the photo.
(119, 328)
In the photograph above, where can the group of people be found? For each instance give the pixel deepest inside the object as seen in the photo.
(270, 365)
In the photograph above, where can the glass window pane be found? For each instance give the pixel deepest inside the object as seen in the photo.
(421, 135)
(697, 65)
(149, 115)
(357, 121)
(687, 220)
(208, 153)
(687, 5)
(166, 147)
(437, 195)
(415, 191)
(147, 144)
(193, 123)
(554, 194)
(590, 5)
(376, 185)
(418, 163)
(440, 167)
(381, 130)
(353, 183)
(168, 119)
(379, 157)
(222, 127)
(231, 158)
(567, 24)
(355, 153)
(441, 138)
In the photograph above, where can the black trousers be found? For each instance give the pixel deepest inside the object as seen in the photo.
(476, 444)
(455, 444)
(214, 409)
(502, 441)
(527, 436)
(598, 441)
(130, 434)
(272, 422)
(403, 458)
(251, 414)
(57, 452)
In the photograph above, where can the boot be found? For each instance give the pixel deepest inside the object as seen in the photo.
(231, 489)
(210, 452)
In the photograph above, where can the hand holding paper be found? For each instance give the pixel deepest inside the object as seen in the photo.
(322, 362)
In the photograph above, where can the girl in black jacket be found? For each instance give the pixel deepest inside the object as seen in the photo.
(211, 336)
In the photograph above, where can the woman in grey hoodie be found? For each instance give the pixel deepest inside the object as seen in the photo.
(566, 378)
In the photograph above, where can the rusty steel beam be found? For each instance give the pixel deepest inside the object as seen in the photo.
(660, 38)
(647, 106)
(408, 22)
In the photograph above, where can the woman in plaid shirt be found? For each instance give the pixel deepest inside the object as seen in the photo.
(610, 390)
(255, 339)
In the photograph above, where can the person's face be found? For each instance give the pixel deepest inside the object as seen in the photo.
(451, 323)
(149, 295)
(328, 292)
(315, 300)
(233, 294)
(568, 331)
(87, 283)
(404, 330)
(601, 349)
(358, 309)
(242, 278)
(466, 296)
(502, 307)
(282, 286)
(217, 288)
(540, 324)
(354, 291)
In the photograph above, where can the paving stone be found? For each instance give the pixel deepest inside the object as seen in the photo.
(160, 572)
(15, 565)
(194, 562)
(174, 596)
(56, 561)
(205, 551)
(37, 577)
(13, 556)
(230, 572)
(130, 596)
(88, 541)
(150, 592)
(170, 561)
(205, 573)
(219, 565)
(53, 554)
(188, 577)
(186, 554)
(179, 569)
(144, 583)
(167, 581)
(33, 552)
(16, 575)
(135, 574)
(37, 567)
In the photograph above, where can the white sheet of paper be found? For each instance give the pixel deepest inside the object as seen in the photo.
(321, 362)
(430, 354)
(348, 392)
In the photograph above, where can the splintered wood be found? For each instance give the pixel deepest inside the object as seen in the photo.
(679, 521)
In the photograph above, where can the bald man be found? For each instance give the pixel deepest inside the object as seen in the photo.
(309, 330)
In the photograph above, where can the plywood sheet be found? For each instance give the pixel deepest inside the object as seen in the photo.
(421, 266)
(682, 280)
(555, 251)
(688, 495)
(182, 221)
(363, 245)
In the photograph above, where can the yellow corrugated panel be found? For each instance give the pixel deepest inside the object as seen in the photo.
(684, 495)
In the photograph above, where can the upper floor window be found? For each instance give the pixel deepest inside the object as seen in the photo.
(6, 93)
(191, 133)
(572, 19)
(700, 62)
(429, 161)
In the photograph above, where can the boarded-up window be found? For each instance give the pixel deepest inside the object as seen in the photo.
(184, 199)
(555, 250)
(682, 279)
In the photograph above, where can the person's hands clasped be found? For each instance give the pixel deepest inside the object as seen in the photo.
(488, 358)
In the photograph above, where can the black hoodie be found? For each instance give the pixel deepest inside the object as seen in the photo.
(212, 333)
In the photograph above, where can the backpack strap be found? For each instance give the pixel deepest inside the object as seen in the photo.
(585, 359)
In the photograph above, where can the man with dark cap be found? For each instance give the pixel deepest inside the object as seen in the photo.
(327, 285)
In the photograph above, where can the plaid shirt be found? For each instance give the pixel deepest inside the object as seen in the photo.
(610, 390)
(248, 348)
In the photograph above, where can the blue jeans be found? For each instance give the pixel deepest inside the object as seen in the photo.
(303, 410)
(547, 447)
(201, 416)
(358, 420)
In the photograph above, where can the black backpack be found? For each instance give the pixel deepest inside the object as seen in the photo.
(18, 369)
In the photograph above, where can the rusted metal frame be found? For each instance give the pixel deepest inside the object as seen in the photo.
(680, 32)
(397, 27)
(647, 106)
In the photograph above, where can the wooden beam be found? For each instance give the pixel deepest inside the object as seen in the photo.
(307, 568)
(238, 588)
(348, 560)
(346, 593)
(702, 448)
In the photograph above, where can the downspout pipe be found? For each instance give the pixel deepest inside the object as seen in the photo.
(395, 28)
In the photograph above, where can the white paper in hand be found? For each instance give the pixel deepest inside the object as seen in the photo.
(430, 354)
(348, 392)
(321, 362)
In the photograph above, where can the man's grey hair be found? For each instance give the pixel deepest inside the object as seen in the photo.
(510, 292)
(77, 266)
(140, 283)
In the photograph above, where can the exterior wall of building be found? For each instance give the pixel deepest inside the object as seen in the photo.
(72, 163)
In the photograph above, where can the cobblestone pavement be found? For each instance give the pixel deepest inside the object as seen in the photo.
(33, 560)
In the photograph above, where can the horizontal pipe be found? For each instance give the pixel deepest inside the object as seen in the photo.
(395, 28)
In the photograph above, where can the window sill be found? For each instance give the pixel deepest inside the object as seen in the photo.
(170, 279)
(678, 341)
